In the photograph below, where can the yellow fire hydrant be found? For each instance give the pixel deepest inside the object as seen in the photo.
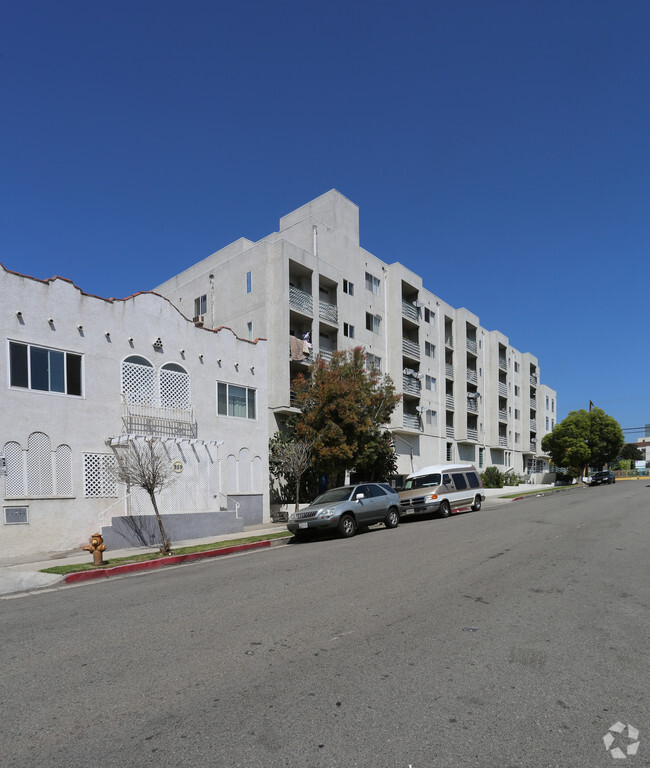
(97, 547)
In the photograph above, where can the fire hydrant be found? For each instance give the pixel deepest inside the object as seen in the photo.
(97, 547)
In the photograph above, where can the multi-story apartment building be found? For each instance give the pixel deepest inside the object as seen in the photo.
(310, 288)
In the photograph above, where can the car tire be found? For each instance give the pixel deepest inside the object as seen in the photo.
(477, 504)
(347, 526)
(392, 518)
(302, 534)
(445, 509)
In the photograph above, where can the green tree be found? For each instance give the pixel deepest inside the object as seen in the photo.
(631, 453)
(344, 406)
(584, 439)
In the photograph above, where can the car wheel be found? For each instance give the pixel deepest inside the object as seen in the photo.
(477, 504)
(392, 518)
(445, 509)
(302, 534)
(347, 526)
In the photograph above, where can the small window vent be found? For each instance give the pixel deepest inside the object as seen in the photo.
(16, 515)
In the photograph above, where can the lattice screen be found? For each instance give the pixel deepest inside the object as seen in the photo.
(99, 481)
(139, 384)
(63, 470)
(39, 465)
(174, 389)
(15, 477)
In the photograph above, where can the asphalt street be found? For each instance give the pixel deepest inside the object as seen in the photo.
(513, 636)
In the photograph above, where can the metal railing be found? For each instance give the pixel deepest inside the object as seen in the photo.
(326, 352)
(503, 364)
(503, 415)
(409, 384)
(449, 431)
(533, 447)
(411, 421)
(471, 345)
(408, 310)
(158, 420)
(411, 348)
(502, 389)
(533, 403)
(533, 425)
(449, 402)
(327, 311)
(300, 300)
(472, 376)
(449, 370)
(533, 379)
(472, 405)
(449, 339)
(503, 441)
(472, 434)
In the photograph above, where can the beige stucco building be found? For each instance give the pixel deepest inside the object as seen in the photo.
(310, 288)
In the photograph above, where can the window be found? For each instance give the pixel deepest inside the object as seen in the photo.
(373, 362)
(431, 417)
(235, 401)
(429, 315)
(517, 413)
(552, 406)
(547, 423)
(547, 403)
(46, 370)
(249, 282)
(430, 383)
(348, 288)
(480, 458)
(429, 349)
(200, 305)
(249, 326)
(516, 367)
(516, 391)
(473, 480)
(459, 481)
(517, 437)
(450, 453)
(348, 330)
(16, 515)
(372, 322)
(373, 284)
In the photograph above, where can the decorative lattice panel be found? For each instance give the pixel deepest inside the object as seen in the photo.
(39, 465)
(244, 471)
(175, 389)
(99, 480)
(63, 470)
(15, 477)
(139, 384)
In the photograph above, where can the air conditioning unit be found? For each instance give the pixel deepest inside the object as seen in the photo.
(199, 319)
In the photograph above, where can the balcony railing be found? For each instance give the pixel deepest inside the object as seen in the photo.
(533, 425)
(502, 389)
(503, 415)
(449, 402)
(472, 405)
(472, 376)
(533, 379)
(503, 441)
(449, 431)
(411, 348)
(472, 434)
(326, 352)
(533, 403)
(328, 311)
(533, 447)
(449, 339)
(410, 311)
(411, 421)
(158, 420)
(411, 385)
(301, 300)
(471, 345)
(449, 370)
(503, 364)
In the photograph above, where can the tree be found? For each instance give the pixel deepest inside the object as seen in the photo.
(344, 406)
(289, 459)
(631, 453)
(147, 466)
(584, 439)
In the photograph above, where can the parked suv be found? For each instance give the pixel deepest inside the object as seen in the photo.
(347, 508)
(600, 478)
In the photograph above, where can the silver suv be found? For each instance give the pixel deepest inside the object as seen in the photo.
(347, 508)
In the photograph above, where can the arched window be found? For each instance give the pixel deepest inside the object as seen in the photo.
(138, 381)
(174, 387)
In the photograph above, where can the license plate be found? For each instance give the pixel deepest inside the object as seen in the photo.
(303, 525)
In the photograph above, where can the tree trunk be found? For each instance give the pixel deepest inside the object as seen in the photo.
(297, 493)
(165, 543)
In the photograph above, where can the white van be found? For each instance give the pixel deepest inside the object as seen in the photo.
(442, 488)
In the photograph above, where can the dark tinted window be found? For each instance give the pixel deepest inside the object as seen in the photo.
(18, 365)
(376, 490)
(472, 479)
(459, 481)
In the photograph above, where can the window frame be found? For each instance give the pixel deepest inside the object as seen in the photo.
(373, 284)
(201, 302)
(67, 358)
(250, 406)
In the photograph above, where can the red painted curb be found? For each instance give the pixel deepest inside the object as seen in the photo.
(517, 498)
(148, 565)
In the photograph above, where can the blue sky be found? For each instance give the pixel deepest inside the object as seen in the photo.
(498, 148)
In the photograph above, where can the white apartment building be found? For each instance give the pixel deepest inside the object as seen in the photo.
(310, 288)
(83, 378)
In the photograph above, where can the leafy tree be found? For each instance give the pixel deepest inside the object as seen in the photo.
(344, 406)
(584, 439)
(147, 466)
(631, 452)
(289, 460)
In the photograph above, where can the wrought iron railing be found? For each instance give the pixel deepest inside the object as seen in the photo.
(300, 300)
(471, 345)
(328, 311)
(158, 420)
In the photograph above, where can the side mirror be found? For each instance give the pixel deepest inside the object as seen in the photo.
(360, 496)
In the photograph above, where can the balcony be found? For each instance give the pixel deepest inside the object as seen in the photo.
(411, 349)
(158, 420)
(533, 403)
(449, 402)
(533, 447)
(533, 425)
(503, 415)
(472, 405)
(503, 441)
(472, 434)
(503, 364)
(449, 370)
(502, 389)
(471, 345)
(409, 311)
(410, 385)
(328, 312)
(300, 300)
(472, 376)
(533, 379)
(326, 351)
(411, 421)
(449, 431)
(449, 340)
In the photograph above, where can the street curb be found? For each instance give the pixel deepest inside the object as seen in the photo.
(148, 565)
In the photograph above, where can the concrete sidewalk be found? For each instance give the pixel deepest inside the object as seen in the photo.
(20, 575)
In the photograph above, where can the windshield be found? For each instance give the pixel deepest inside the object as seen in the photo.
(423, 481)
(334, 495)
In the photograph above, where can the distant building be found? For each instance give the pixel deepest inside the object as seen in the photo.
(84, 378)
(310, 289)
